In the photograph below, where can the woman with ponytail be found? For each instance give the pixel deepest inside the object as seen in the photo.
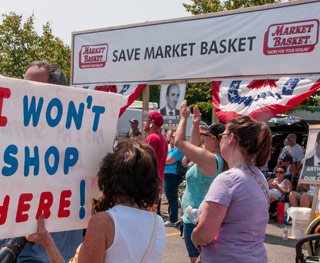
(234, 213)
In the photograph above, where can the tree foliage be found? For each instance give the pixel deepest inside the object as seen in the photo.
(209, 6)
(20, 45)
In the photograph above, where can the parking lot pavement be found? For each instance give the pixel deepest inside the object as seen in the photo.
(279, 250)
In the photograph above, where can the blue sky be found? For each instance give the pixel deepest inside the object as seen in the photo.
(67, 16)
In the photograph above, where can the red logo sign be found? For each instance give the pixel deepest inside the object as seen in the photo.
(93, 56)
(293, 37)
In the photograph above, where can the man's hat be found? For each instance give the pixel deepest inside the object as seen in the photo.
(216, 129)
(287, 157)
(155, 116)
(134, 121)
(291, 135)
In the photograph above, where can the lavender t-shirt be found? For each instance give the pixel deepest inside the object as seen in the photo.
(243, 229)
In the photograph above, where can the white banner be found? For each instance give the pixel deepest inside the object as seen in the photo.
(279, 40)
(52, 141)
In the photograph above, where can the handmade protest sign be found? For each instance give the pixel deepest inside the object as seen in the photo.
(52, 140)
(310, 172)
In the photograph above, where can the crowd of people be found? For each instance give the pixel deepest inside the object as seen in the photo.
(235, 172)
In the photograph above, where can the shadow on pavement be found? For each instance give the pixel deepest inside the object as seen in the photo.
(275, 240)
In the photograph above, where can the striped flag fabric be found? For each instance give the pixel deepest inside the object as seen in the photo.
(129, 91)
(260, 98)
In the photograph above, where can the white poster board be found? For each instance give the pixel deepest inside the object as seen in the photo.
(52, 141)
(278, 39)
(171, 97)
(310, 172)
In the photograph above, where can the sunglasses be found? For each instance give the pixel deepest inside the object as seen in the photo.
(223, 134)
(279, 172)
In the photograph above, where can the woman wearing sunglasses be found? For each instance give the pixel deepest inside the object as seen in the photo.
(279, 186)
(234, 213)
(204, 151)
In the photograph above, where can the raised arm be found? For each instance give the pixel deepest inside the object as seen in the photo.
(195, 134)
(206, 161)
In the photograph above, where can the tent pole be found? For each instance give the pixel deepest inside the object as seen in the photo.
(145, 107)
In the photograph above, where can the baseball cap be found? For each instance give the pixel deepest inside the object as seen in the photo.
(216, 129)
(134, 121)
(287, 157)
(204, 128)
(292, 135)
(155, 116)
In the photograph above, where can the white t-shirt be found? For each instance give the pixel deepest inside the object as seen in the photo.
(295, 151)
(133, 233)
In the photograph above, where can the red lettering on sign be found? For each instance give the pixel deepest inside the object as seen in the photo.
(45, 202)
(63, 212)
(4, 210)
(23, 207)
(4, 94)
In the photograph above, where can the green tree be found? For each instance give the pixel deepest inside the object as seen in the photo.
(200, 93)
(20, 45)
(209, 6)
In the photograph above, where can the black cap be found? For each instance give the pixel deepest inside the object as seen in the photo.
(134, 121)
(216, 129)
(287, 157)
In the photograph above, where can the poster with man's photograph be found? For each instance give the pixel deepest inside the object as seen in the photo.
(311, 167)
(171, 98)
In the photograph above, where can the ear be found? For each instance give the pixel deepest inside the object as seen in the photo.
(232, 138)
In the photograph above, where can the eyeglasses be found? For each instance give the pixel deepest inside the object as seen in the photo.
(279, 172)
(223, 134)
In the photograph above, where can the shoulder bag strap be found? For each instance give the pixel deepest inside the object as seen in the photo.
(153, 239)
(258, 181)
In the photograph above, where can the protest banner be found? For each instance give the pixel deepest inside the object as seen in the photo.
(260, 98)
(310, 172)
(52, 141)
(280, 39)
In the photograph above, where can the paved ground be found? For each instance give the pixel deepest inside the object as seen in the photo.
(279, 250)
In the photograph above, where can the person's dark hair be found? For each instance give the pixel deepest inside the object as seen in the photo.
(56, 74)
(129, 174)
(282, 167)
(169, 87)
(253, 138)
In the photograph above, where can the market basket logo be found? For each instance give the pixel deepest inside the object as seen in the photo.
(292, 37)
(93, 56)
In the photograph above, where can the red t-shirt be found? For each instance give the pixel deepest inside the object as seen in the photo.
(159, 144)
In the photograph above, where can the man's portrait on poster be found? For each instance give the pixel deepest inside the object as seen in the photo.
(311, 168)
(171, 98)
(314, 159)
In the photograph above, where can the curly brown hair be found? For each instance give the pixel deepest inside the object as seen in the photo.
(254, 138)
(129, 174)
